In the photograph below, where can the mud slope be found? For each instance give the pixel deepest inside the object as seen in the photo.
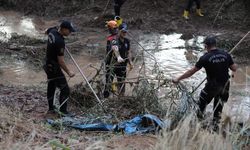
(157, 15)
(229, 20)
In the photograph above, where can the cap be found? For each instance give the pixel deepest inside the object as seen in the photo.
(210, 40)
(67, 25)
(123, 27)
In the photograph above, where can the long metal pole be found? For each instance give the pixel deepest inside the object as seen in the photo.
(84, 77)
(231, 51)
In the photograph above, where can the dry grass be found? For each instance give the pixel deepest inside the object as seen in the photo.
(16, 132)
(20, 131)
(191, 134)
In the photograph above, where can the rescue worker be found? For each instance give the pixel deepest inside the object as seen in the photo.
(117, 6)
(118, 55)
(54, 63)
(189, 6)
(217, 64)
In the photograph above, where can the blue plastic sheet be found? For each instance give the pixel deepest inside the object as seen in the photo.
(139, 124)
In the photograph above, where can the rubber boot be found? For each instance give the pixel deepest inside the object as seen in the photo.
(198, 12)
(114, 87)
(186, 14)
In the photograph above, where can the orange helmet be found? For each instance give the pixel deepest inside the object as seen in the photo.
(111, 24)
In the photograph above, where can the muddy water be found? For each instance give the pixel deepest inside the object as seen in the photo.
(15, 71)
(173, 55)
(18, 72)
(239, 103)
(171, 52)
(12, 22)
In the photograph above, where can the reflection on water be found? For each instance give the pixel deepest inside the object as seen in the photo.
(11, 22)
(172, 60)
(239, 104)
(173, 54)
(196, 42)
(17, 72)
(170, 41)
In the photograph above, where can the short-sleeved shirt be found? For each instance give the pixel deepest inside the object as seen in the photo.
(216, 63)
(55, 46)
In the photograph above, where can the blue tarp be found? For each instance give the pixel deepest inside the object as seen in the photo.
(139, 124)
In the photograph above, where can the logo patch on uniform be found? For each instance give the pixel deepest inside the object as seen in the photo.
(218, 58)
(51, 38)
(114, 42)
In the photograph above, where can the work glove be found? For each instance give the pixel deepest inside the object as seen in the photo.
(120, 60)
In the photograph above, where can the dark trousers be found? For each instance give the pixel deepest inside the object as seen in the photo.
(117, 6)
(219, 93)
(120, 72)
(57, 79)
(190, 4)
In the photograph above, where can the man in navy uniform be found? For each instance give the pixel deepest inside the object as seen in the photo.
(217, 64)
(54, 63)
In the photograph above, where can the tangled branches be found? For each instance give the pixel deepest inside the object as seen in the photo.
(156, 95)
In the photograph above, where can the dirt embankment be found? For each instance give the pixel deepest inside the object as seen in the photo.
(156, 15)
(229, 20)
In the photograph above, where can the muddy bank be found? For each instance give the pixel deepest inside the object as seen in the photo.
(28, 100)
(33, 50)
(156, 15)
(23, 107)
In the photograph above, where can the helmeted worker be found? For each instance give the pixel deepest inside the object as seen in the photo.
(217, 64)
(118, 55)
(54, 63)
(189, 6)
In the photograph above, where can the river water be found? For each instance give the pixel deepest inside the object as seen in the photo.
(172, 54)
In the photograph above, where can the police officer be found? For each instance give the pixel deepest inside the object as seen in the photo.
(217, 64)
(118, 55)
(55, 62)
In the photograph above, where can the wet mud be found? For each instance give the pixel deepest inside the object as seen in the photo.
(173, 41)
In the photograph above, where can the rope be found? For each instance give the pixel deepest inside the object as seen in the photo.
(84, 77)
